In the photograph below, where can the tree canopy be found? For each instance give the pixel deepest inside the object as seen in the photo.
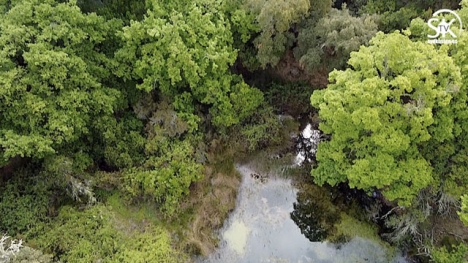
(53, 73)
(277, 20)
(397, 99)
(330, 40)
(186, 54)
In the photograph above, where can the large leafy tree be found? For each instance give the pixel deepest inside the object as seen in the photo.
(333, 38)
(452, 155)
(274, 19)
(399, 100)
(53, 75)
(449, 158)
(277, 21)
(185, 52)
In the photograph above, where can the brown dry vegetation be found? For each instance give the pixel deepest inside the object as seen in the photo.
(448, 230)
(212, 199)
(290, 69)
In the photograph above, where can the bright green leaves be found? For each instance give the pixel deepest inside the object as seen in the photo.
(464, 210)
(25, 145)
(23, 204)
(51, 72)
(166, 175)
(186, 54)
(454, 253)
(449, 154)
(122, 143)
(240, 101)
(382, 113)
(170, 53)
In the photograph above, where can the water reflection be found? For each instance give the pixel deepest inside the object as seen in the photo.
(314, 213)
(307, 143)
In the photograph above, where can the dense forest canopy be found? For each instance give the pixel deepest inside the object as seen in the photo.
(108, 106)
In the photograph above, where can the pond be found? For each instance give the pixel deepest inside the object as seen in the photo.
(262, 229)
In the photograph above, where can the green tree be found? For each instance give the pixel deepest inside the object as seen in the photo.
(397, 14)
(23, 203)
(185, 53)
(333, 38)
(449, 158)
(53, 73)
(452, 155)
(274, 19)
(277, 21)
(126, 10)
(398, 99)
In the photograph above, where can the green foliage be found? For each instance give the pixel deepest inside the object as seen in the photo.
(51, 75)
(274, 19)
(90, 236)
(188, 63)
(451, 156)
(69, 175)
(121, 142)
(140, 250)
(170, 166)
(23, 204)
(454, 254)
(394, 15)
(397, 99)
(292, 97)
(126, 10)
(333, 38)
(399, 19)
(464, 210)
(448, 157)
(243, 25)
(6, 5)
(262, 129)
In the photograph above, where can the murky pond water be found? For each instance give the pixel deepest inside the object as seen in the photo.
(260, 229)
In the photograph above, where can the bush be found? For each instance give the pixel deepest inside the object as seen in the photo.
(171, 164)
(22, 205)
(91, 235)
(454, 254)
